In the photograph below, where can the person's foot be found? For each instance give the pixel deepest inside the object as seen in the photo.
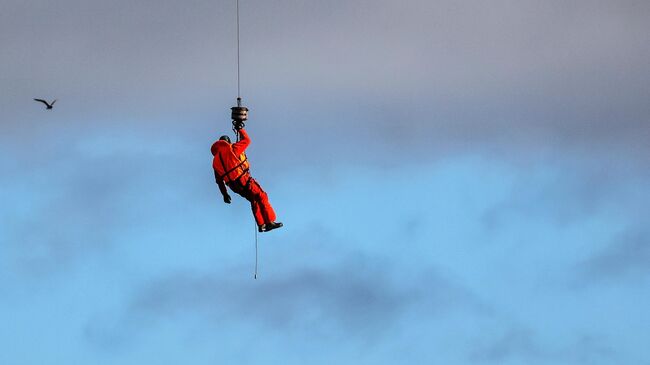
(269, 226)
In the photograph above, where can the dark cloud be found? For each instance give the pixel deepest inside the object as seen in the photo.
(569, 191)
(514, 343)
(439, 77)
(65, 198)
(77, 212)
(625, 255)
(526, 346)
(358, 298)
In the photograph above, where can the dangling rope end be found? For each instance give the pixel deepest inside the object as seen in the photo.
(255, 276)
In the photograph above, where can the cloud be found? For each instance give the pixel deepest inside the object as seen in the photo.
(625, 255)
(358, 299)
(439, 77)
(72, 197)
(57, 213)
(524, 345)
(514, 343)
(570, 191)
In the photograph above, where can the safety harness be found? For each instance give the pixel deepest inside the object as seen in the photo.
(226, 175)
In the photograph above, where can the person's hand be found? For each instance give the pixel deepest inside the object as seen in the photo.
(226, 199)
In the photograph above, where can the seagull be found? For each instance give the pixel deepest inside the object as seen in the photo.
(49, 106)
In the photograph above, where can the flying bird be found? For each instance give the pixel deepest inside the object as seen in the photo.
(49, 106)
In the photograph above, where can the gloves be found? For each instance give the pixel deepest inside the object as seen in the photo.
(226, 199)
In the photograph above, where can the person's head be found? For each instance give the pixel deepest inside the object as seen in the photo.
(215, 146)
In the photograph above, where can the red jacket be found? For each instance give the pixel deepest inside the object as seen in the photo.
(230, 162)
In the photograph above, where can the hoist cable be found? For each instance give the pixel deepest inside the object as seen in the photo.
(238, 75)
(234, 129)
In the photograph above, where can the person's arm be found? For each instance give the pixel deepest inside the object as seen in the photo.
(222, 188)
(239, 147)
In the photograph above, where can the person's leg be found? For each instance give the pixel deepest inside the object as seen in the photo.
(249, 194)
(257, 212)
(260, 204)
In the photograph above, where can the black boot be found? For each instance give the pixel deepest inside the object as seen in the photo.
(269, 226)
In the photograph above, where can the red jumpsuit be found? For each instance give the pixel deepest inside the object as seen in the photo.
(231, 167)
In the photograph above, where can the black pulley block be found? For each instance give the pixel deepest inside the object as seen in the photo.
(239, 112)
(239, 115)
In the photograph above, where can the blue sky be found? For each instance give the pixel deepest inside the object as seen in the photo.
(460, 183)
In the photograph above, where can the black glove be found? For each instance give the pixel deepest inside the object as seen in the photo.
(226, 199)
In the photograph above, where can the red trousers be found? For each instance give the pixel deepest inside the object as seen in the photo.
(248, 188)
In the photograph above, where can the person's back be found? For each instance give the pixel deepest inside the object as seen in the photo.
(229, 160)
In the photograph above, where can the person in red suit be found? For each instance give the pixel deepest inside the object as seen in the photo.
(231, 168)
